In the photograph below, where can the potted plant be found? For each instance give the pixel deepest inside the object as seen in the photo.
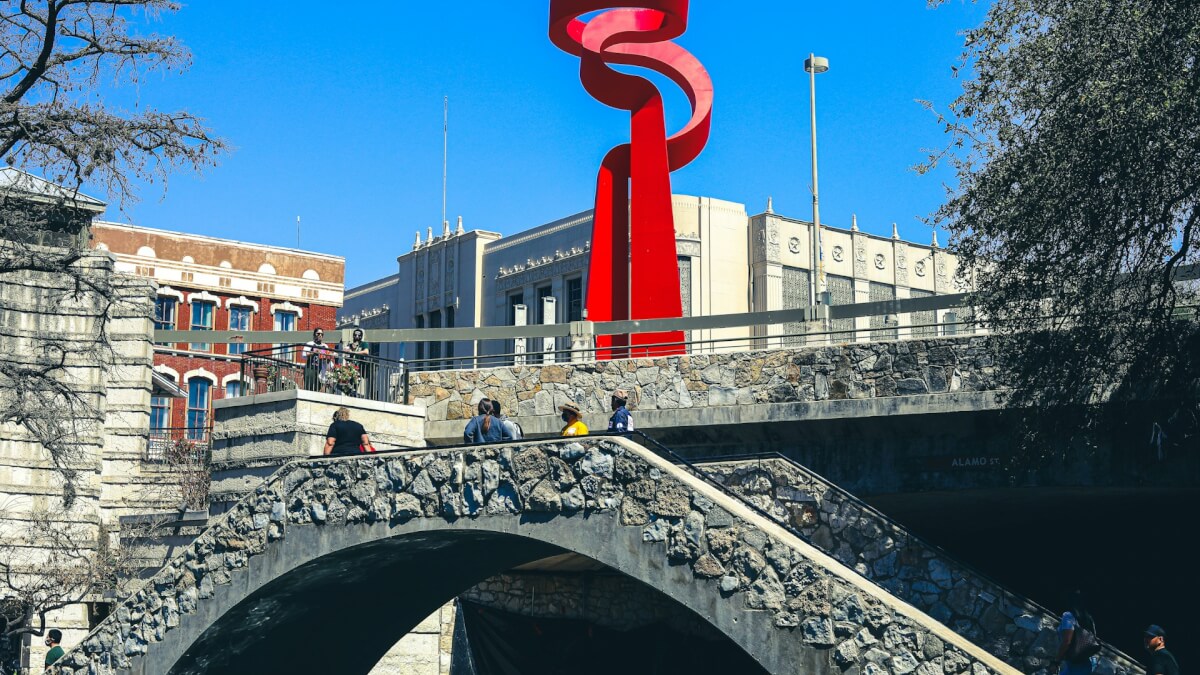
(345, 379)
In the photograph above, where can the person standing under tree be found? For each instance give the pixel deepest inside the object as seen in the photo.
(53, 638)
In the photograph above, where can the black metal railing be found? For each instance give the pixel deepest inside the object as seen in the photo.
(323, 369)
(178, 445)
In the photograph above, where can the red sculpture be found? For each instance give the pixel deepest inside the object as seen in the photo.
(634, 272)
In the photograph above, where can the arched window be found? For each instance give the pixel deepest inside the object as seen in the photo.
(199, 403)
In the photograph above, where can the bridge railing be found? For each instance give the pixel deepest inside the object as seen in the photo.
(591, 352)
(173, 445)
(325, 369)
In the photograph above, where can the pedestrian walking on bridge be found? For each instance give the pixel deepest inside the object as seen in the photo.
(1162, 662)
(573, 416)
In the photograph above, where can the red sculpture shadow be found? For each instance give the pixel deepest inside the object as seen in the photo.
(634, 272)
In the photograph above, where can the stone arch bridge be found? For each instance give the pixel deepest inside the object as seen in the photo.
(325, 566)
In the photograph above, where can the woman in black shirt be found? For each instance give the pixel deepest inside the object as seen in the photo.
(346, 437)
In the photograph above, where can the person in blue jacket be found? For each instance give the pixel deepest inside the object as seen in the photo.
(621, 420)
(485, 427)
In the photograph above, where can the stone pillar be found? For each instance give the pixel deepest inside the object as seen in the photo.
(549, 311)
(426, 650)
(768, 277)
(48, 318)
(862, 284)
(903, 291)
(520, 316)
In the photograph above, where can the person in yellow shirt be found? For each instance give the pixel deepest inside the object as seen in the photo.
(573, 416)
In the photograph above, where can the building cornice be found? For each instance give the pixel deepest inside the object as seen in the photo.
(224, 242)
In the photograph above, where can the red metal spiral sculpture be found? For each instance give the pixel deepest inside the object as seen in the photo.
(634, 272)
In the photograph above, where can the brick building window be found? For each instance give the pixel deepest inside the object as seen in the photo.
(233, 389)
(160, 412)
(165, 313)
(239, 319)
(199, 395)
(285, 321)
(202, 319)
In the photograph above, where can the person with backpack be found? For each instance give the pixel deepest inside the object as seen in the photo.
(1077, 638)
(514, 429)
(485, 427)
(1162, 662)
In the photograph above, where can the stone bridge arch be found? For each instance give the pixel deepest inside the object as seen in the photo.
(326, 565)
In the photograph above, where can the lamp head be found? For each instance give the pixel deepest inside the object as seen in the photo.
(816, 64)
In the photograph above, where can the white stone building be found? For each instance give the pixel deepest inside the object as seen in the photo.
(729, 263)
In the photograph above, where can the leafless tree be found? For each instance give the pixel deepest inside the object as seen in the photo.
(56, 57)
(58, 61)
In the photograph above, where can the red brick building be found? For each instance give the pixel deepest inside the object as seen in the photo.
(206, 283)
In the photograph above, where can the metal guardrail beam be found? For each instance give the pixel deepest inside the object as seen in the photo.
(1187, 272)
(780, 316)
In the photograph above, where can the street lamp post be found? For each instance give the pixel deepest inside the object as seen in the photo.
(813, 65)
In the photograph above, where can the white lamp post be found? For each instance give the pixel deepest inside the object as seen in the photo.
(813, 65)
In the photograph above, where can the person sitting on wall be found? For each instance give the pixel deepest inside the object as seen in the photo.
(573, 416)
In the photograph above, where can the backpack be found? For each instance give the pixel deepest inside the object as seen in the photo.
(1084, 643)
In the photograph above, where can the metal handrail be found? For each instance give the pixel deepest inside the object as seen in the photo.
(686, 343)
(159, 440)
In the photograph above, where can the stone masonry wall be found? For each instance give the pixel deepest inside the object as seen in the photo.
(45, 317)
(851, 371)
(817, 608)
(1010, 627)
(611, 601)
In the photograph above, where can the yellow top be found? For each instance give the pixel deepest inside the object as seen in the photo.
(576, 428)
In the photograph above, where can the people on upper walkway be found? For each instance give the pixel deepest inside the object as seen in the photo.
(1162, 662)
(356, 352)
(485, 427)
(621, 420)
(317, 360)
(346, 437)
(514, 429)
(573, 417)
(1077, 642)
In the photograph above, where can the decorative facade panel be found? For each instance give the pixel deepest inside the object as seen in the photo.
(796, 284)
(922, 318)
(841, 292)
(882, 293)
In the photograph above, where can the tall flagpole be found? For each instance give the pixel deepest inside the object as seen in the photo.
(445, 135)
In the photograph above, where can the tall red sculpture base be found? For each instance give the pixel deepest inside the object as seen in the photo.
(634, 270)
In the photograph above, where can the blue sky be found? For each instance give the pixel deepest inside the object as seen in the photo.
(336, 116)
